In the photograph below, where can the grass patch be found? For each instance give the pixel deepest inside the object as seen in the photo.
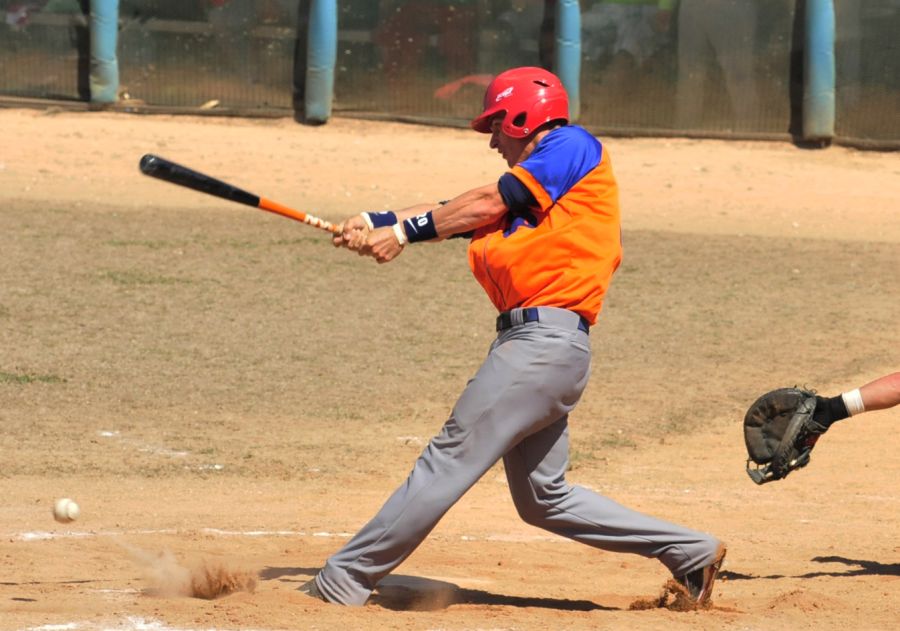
(149, 244)
(11, 377)
(314, 240)
(134, 278)
(239, 244)
(579, 458)
(617, 441)
(679, 423)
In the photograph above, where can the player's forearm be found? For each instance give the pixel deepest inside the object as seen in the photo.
(464, 213)
(473, 209)
(882, 393)
(414, 211)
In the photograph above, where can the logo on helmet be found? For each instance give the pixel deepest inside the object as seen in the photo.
(506, 93)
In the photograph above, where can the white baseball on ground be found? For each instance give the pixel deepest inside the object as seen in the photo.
(65, 510)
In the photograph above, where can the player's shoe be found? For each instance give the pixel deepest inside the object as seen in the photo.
(699, 583)
(310, 588)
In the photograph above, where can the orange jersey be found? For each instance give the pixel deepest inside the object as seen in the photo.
(565, 253)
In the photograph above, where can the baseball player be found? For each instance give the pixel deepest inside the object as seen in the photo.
(544, 243)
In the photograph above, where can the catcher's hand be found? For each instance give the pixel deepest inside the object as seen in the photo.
(780, 432)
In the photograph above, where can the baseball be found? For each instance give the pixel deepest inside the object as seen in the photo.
(65, 510)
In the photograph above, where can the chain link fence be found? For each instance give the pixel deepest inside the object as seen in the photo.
(720, 68)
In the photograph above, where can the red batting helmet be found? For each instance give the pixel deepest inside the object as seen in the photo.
(527, 98)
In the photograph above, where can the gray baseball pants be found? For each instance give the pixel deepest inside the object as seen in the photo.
(516, 408)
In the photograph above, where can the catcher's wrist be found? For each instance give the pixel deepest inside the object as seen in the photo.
(398, 232)
(853, 401)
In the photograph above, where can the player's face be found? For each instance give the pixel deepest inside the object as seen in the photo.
(512, 149)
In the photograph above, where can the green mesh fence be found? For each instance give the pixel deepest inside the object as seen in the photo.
(713, 66)
(867, 55)
(40, 53)
(699, 67)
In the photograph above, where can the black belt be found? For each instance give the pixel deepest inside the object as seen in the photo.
(532, 314)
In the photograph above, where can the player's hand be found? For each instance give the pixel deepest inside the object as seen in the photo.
(353, 233)
(382, 245)
(337, 239)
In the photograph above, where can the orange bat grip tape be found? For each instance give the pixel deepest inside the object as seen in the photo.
(285, 211)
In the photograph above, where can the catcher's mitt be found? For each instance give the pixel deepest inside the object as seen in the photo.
(780, 432)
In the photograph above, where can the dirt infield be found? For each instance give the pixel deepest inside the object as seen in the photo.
(228, 397)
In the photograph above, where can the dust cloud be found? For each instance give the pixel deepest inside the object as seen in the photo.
(167, 577)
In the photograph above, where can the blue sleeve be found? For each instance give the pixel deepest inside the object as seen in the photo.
(516, 195)
(562, 158)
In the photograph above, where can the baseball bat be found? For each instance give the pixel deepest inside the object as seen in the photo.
(168, 171)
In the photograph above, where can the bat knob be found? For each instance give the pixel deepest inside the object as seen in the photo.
(148, 163)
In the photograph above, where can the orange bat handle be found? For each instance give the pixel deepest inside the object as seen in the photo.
(298, 215)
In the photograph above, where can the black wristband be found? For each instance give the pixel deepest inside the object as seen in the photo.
(830, 410)
(420, 228)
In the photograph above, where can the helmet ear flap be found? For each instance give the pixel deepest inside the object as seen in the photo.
(516, 125)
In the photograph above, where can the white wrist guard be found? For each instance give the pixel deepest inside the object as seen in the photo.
(398, 232)
(853, 402)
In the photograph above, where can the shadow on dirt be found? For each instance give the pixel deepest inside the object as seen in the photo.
(865, 568)
(413, 593)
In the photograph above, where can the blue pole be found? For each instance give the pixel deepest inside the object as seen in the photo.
(568, 52)
(818, 71)
(104, 73)
(321, 60)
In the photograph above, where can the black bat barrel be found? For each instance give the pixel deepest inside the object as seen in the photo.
(169, 171)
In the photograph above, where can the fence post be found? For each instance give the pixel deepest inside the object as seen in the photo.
(819, 72)
(321, 59)
(104, 68)
(568, 52)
